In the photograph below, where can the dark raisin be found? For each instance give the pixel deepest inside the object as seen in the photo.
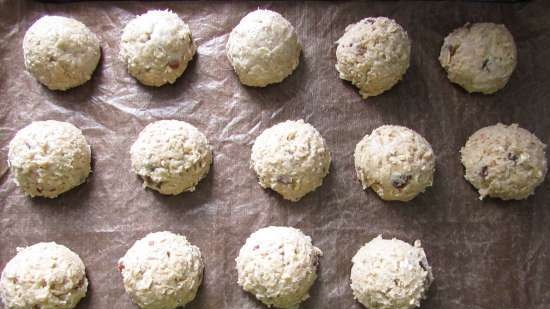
(484, 171)
(400, 181)
(120, 267)
(256, 247)
(174, 64)
(452, 50)
(484, 66)
(284, 179)
(512, 157)
(168, 253)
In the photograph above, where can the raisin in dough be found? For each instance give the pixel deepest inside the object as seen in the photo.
(162, 271)
(373, 54)
(44, 275)
(171, 156)
(390, 274)
(291, 158)
(506, 162)
(278, 265)
(396, 162)
(263, 48)
(48, 158)
(480, 57)
(156, 47)
(60, 52)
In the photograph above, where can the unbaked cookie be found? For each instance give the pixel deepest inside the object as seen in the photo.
(480, 57)
(263, 48)
(60, 52)
(390, 274)
(373, 54)
(156, 47)
(396, 162)
(278, 265)
(48, 158)
(171, 156)
(506, 162)
(44, 275)
(291, 158)
(162, 271)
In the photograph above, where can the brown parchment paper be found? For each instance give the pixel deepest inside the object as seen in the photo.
(489, 254)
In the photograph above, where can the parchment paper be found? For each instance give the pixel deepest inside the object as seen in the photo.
(489, 254)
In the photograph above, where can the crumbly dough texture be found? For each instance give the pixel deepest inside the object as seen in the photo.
(278, 265)
(396, 162)
(156, 47)
(60, 52)
(290, 158)
(506, 162)
(480, 57)
(373, 54)
(48, 158)
(162, 271)
(263, 48)
(44, 275)
(171, 156)
(390, 274)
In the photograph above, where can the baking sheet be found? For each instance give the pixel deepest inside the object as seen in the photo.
(488, 254)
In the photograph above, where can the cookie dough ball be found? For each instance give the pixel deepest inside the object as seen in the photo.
(291, 158)
(60, 52)
(171, 156)
(479, 57)
(44, 275)
(263, 48)
(396, 162)
(373, 54)
(162, 271)
(506, 162)
(156, 47)
(390, 274)
(48, 158)
(278, 265)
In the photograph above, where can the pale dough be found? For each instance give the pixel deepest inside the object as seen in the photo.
(480, 57)
(162, 271)
(390, 274)
(263, 48)
(48, 158)
(156, 47)
(506, 162)
(396, 162)
(171, 156)
(291, 158)
(278, 265)
(45, 276)
(373, 54)
(60, 52)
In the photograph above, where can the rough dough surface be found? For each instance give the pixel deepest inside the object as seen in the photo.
(48, 158)
(156, 47)
(506, 162)
(162, 271)
(278, 265)
(171, 156)
(396, 162)
(263, 48)
(44, 275)
(290, 158)
(480, 57)
(373, 54)
(60, 52)
(390, 274)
